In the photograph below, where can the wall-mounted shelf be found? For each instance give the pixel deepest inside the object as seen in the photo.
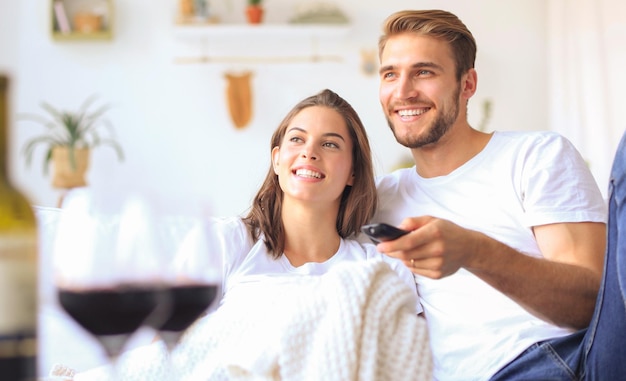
(313, 58)
(81, 19)
(261, 30)
(259, 34)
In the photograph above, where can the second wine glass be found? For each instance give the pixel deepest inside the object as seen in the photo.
(195, 275)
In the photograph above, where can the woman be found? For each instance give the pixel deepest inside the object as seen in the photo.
(286, 311)
(318, 192)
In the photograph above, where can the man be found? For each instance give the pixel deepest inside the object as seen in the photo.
(508, 244)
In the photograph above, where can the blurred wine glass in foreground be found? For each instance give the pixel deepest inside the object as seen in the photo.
(106, 278)
(194, 278)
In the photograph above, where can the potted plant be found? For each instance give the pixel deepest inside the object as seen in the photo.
(69, 138)
(254, 11)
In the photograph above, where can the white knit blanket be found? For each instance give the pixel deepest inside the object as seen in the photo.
(357, 322)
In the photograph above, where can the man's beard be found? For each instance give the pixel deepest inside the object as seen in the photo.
(438, 128)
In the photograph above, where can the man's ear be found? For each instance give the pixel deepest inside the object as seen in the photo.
(469, 82)
(275, 159)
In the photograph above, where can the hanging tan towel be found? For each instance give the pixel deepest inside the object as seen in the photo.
(239, 98)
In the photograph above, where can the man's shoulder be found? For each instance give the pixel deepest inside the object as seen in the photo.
(392, 180)
(542, 136)
(394, 189)
(529, 143)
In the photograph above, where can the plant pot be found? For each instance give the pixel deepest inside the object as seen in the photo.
(254, 14)
(64, 173)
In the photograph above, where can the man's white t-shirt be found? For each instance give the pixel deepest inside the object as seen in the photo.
(247, 262)
(518, 181)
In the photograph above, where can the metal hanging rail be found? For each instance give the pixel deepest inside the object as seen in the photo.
(203, 35)
(257, 60)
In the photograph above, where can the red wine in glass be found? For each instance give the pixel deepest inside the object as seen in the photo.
(187, 302)
(111, 315)
(194, 268)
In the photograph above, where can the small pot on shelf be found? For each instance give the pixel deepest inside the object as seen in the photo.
(254, 11)
(85, 22)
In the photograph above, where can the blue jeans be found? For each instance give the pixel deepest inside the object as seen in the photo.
(597, 353)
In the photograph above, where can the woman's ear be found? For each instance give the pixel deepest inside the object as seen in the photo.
(350, 180)
(275, 159)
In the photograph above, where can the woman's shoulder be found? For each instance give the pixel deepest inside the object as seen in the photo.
(367, 251)
(233, 221)
(362, 250)
(232, 231)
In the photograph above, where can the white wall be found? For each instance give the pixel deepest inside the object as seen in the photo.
(172, 119)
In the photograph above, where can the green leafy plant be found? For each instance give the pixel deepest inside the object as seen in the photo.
(255, 2)
(74, 130)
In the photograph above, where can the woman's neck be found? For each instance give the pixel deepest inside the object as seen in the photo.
(310, 234)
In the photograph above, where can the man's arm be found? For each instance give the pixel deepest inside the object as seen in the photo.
(560, 288)
(563, 287)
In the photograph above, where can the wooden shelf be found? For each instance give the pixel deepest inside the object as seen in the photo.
(261, 30)
(202, 32)
(77, 36)
(81, 20)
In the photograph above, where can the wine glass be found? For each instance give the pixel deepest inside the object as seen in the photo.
(105, 276)
(195, 275)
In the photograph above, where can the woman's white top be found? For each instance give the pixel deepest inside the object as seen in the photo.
(246, 262)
